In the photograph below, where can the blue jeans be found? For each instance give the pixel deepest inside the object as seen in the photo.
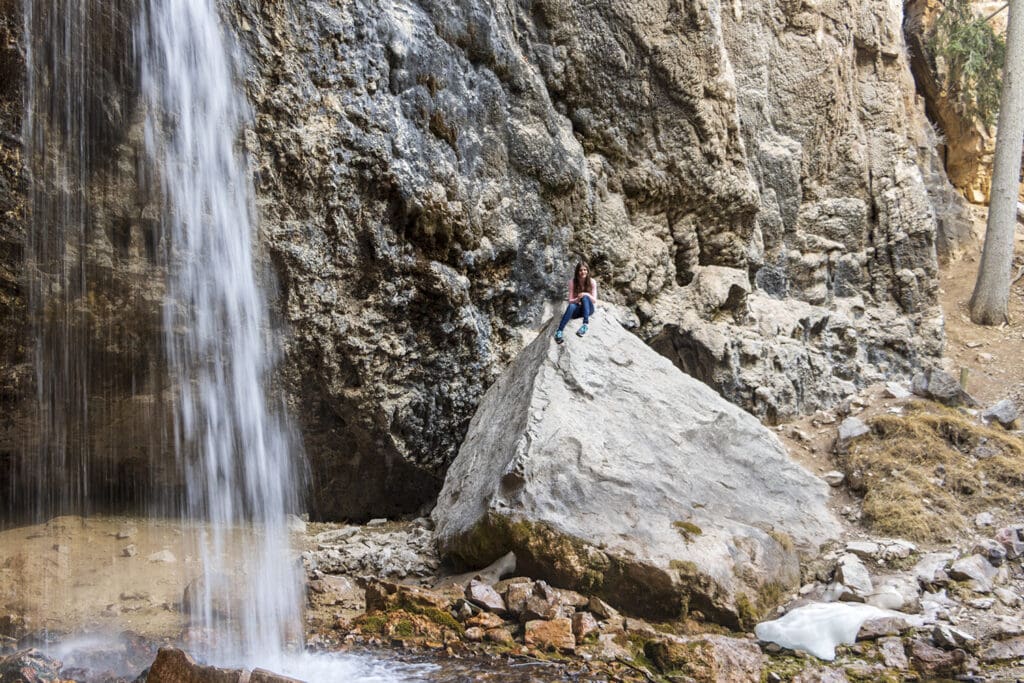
(584, 309)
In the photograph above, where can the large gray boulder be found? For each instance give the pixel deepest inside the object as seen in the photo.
(608, 470)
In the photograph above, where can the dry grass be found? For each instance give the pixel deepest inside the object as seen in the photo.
(921, 476)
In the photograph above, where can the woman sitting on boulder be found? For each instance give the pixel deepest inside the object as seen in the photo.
(582, 298)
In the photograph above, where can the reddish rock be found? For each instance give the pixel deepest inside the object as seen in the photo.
(486, 620)
(475, 634)
(932, 661)
(500, 635)
(555, 634)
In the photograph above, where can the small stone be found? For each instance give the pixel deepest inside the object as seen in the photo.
(991, 550)
(482, 595)
(129, 551)
(1007, 597)
(981, 603)
(985, 357)
(164, 555)
(516, 596)
(834, 478)
(1012, 539)
(850, 429)
(885, 626)
(934, 662)
(950, 638)
(126, 532)
(602, 608)
(379, 521)
(893, 655)
(865, 550)
(976, 569)
(983, 519)
(896, 390)
(486, 620)
(583, 624)
(850, 572)
(1004, 412)
(930, 569)
(1002, 650)
(550, 635)
(500, 635)
(475, 634)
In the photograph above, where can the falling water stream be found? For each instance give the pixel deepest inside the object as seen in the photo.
(236, 454)
(215, 417)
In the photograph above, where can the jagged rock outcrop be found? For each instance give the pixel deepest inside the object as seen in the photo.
(428, 171)
(968, 146)
(607, 470)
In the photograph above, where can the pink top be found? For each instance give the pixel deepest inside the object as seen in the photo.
(592, 293)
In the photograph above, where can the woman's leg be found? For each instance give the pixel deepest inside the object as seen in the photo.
(570, 313)
(588, 309)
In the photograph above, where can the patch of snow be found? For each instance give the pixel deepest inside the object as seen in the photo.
(819, 627)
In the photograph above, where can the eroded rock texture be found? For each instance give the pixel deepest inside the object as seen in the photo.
(744, 176)
(429, 171)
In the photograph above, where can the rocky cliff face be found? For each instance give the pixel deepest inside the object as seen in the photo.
(746, 177)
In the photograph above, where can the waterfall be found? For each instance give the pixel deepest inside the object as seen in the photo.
(235, 452)
(140, 194)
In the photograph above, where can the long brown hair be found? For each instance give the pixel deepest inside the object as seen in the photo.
(587, 284)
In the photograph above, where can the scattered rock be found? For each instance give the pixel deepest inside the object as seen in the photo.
(126, 532)
(162, 556)
(482, 595)
(1007, 597)
(865, 550)
(897, 390)
(175, 666)
(1002, 650)
(834, 478)
(1004, 412)
(1012, 538)
(893, 655)
(852, 573)
(940, 386)
(930, 570)
(975, 569)
(949, 638)
(850, 429)
(29, 666)
(129, 550)
(983, 519)
(555, 634)
(708, 657)
(583, 624)
(991, 550)
(475, 634)
(935, 662)
(873, 629)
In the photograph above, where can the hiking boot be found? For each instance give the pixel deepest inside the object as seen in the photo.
(559, 338)
(582, 331)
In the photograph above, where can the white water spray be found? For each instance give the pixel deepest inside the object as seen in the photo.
(235, 452)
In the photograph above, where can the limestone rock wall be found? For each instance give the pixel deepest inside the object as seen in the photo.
(12, 209)
(744, 177)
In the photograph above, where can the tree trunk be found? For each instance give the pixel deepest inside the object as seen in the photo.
(992, 288)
